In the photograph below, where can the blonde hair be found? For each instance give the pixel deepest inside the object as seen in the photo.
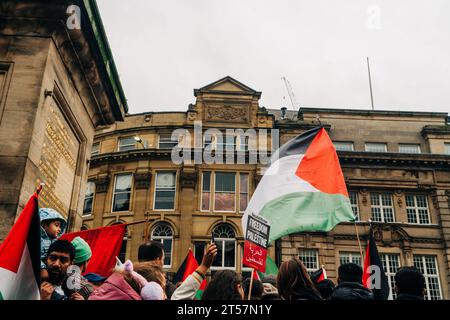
(151, 272)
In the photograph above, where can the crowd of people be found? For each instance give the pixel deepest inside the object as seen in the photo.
(146, 280)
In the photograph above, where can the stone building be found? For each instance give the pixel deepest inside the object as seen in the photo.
(396, 165)
(58, 83)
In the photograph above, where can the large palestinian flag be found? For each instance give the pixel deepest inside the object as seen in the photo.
(303, 189)
(19, 256)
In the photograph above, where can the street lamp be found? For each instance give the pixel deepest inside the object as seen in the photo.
(139, 140)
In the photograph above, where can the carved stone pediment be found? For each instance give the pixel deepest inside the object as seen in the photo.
(391, 235)
(234, 113)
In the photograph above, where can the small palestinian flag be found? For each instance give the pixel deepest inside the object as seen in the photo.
(187, 268)
(303, 189)
(319, 275)
(19, 256)
(373, 267)
(271, 268)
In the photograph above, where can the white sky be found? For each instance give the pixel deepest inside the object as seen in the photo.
(164, 49)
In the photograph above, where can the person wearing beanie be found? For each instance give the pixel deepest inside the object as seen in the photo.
(83, 254)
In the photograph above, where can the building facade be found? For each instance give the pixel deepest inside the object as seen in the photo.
(57, 84)
(396, 166)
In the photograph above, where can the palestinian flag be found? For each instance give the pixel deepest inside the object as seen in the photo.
(319, 275)
(372, 265)
(303, 189)
(271, 268)
(187, 268)
(20, 256)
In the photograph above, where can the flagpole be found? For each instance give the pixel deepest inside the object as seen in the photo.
(251, 285)
(359, 242)
(39, 189)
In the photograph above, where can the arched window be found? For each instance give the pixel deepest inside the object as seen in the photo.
(225, 238)
(164, 233)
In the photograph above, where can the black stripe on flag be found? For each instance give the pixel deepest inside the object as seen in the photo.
(34, 244)
(297, 145)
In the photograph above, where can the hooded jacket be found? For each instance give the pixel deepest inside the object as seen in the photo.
(46, 241)
(351, 291)
(115, 288)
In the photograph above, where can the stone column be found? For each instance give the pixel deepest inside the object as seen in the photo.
(186, 203)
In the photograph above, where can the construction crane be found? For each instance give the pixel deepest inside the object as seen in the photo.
(294, 103)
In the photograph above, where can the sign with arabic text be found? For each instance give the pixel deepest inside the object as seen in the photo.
(256, 243)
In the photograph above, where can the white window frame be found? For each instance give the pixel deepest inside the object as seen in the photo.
(316, 256)
(339, 144)
(235, 192)
(87, 214)
(245, 144)
(382, 207)
(367, 144)
(210, 191)
(162, 238)
(246, 192)
(131, 191)
(447, 148)
(355, 205)
(409, 145)
(119, 146)
(428, 276)
(175, 190)
(390, 274)
(352, 257)
(93, 153)
(225, 143)
(416, 209)
(222, 242)
(169, 141)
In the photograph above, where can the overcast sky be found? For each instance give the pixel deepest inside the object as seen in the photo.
(164, 49)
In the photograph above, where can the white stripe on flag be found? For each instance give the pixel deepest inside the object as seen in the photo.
(21, 285)
(278, 180)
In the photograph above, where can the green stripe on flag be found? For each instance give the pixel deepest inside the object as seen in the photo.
(271, 268)
(1, 297)
(306, 211)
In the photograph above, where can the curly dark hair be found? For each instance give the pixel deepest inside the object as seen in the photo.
(293, 280)
(223, 286)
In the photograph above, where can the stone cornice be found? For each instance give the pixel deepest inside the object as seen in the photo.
(393, 159)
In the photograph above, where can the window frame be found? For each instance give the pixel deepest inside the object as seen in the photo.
(223, 241)
(175, 190)
(355, 206)
(247, 191)
(161, 240)
(127, 145)
(87, 214)
(131, 191)
(98, 149)
(400, 145)
(390, 274)
(375, 143)
(211, 193)
(235, 192)
(351, 143)
(416, 209)
(352, 255)
(427, 276)
(382, 207)
(316, 251)
(170, 141)
(447, 148)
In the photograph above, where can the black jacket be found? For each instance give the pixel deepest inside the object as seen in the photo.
(405, 296)
(351, 291)
(306, 294)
